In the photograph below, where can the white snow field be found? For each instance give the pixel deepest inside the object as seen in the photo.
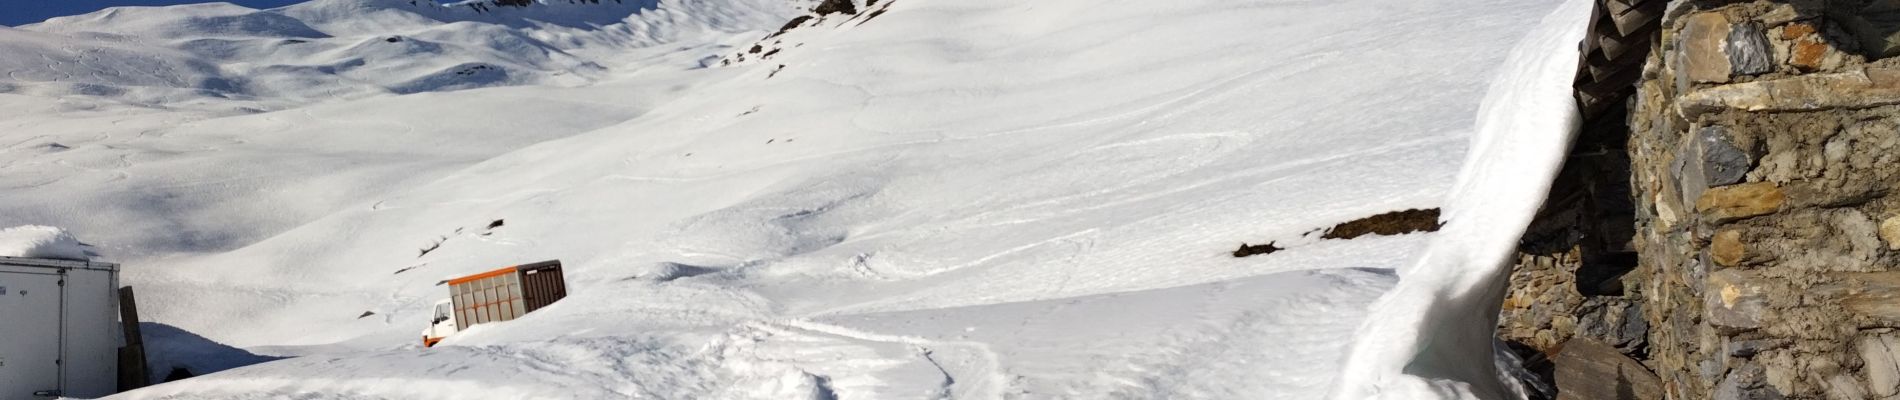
(971, 199)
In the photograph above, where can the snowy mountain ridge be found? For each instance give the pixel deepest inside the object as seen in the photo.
(343, 49)
(925, 199)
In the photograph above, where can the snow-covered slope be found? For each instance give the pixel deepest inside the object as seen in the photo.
(1433, 335)
(935, 199)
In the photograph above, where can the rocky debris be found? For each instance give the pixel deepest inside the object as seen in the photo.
(1541, 307)
(432, 246)
(1590, 370)
(1749, 382)
(874, 14)
(1544, 308)
(789, 25)
(829, 7)
(833, 13)
(473, 69)
(1391, 223)
(483, 7)
(1248, 250)
(1572, 278)
(1616, 321)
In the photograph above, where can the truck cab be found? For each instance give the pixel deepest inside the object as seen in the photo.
(441, 325)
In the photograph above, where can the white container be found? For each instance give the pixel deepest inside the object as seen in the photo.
(59, 328)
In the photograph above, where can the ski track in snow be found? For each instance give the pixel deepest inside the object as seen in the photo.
(987, 375)
(984, 199)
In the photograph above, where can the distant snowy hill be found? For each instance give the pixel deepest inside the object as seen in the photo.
(915, 199)
(345, 49)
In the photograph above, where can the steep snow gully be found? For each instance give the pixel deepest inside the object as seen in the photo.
(971, 199)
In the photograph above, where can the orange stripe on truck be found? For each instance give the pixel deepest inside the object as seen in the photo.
(489, 274)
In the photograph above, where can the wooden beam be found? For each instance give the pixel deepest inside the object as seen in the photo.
(132, 369)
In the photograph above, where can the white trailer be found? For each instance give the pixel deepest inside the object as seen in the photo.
(59, 328)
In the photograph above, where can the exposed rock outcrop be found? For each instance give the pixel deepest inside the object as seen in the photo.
(825, 13)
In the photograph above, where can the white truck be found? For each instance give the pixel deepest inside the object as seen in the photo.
(494, 296)
(59, 328)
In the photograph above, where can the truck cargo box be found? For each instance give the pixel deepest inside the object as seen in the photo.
(59, 328)
(507, 293)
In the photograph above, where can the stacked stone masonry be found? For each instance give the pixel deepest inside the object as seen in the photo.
(1765, 154)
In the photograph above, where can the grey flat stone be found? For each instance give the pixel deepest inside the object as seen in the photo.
(1747, 49)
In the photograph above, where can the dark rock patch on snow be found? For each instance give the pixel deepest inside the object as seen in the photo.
(835, 7)
(1388, 224)
(465, 76)
(789, 25)
(1256, 249)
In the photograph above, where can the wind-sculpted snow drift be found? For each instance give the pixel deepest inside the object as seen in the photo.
(970, 199)
(1432, 336)
(41, 242)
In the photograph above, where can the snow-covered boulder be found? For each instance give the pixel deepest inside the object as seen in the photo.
(36, 241)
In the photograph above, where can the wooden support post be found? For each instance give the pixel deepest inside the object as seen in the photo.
(132, 369)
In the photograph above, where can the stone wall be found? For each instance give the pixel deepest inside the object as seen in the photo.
(1765, 147)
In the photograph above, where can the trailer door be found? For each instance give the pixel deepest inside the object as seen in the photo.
(30, 339)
